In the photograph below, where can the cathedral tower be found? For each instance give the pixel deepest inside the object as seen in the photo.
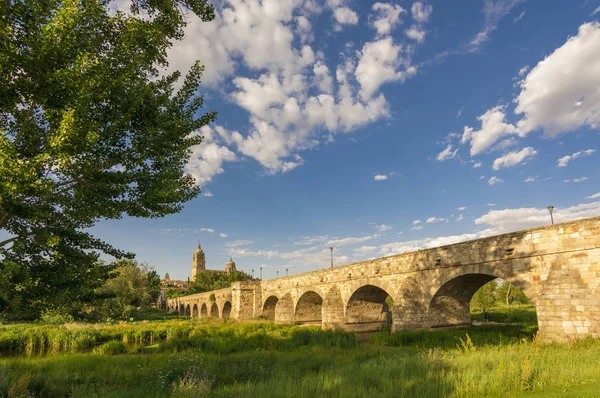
(198, 262)
(230, 266)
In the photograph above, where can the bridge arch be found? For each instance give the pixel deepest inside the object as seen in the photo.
(368, 309)
(195, 311)
(268, 309)
(188, 310)
(450, 305)
(181, 309)
(226, 313)
(309, 308)
(204, 310)
(214, 310)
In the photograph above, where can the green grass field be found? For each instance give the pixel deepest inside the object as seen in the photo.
(260, 359)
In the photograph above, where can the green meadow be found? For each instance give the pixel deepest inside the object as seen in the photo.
(216, 358)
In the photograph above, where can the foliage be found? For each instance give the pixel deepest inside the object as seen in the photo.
(207, 281)
(277, 360)
(89, 130)
(131, 286)
(494, 294)
(485, 297)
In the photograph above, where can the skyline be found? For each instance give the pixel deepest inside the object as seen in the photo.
(379, 128)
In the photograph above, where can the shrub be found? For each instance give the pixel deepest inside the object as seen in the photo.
(111, 348)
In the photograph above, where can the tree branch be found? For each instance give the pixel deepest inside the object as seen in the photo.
(7, 241)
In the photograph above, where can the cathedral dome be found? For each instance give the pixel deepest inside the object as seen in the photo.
(230, 266)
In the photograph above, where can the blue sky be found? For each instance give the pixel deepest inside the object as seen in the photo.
(379, 128)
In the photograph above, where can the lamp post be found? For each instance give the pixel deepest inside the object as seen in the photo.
(331, 249)
(551, 209)
(278, 273)
(261, 272)
(252, 274)
(286, 271)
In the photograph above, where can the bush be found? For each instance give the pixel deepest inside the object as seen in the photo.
(111, 348)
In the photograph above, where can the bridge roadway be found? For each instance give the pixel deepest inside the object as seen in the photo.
(557, 267)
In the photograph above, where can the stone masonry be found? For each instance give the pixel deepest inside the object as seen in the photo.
(557, 267)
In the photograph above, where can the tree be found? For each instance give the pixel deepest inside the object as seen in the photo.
(131, 286)
(484, 298)
(507, 293)
(207, 281)
(89, 130)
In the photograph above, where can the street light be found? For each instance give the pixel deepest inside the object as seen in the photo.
(252, 274)
(286, 271)
(551, 209)
(278, 273)
(331, 249)
(261, 273)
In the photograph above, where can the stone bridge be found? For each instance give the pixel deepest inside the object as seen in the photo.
(557, 267)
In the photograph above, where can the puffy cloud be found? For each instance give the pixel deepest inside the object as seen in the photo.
(594, 196)
(431, 220)
(560, 94)
(531, 179)
(495, 180)
(387, 17)
(421, 12)
(207, 194)
(206, 159)
(514, 158)
(345, 16)
(416, 33)
(564, 161)
(416, 222)
(463, 208)
(459, 218)
(416, 228)
(447, 154)
(477, 165)
(379, 63)
(383, 227)
(222, 235)
(493, 127)
(380, 177)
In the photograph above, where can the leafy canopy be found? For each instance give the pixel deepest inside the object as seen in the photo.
(89, 130)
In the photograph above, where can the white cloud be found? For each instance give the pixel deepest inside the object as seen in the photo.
(493, 127)
(387, 17)
(238, 243)
(340, 242)
(383, 227)
(459, 218)
(491, 204)
(564, 161)
(447, 154)
(463, 208)
(493, 11)
(581, 179)
(206, 159)
(514, 158)
(495, 180)
(523, 70)
(311, 240)
(416, 222)
(495, 222)
(594, 196)
(345, 16)
(222, 235)
(531, 178)
(416, 33)
(417, 228)
(596, 11)
(207, 194)
(421, 12)
(560, 94)
(211, 230)
(477, 165)
(380, 177)
(431, 220)
(521, 15)
(379, 63)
